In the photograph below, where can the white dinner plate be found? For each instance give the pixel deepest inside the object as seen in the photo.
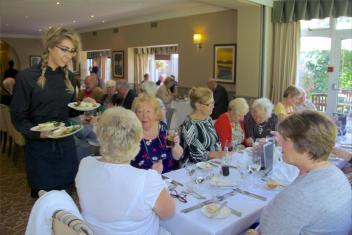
(71, 133)
(204, 165)
(221, 182)
(37, 128)
(72, 105)
(225, 211)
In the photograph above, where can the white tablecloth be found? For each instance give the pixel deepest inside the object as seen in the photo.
(196, 223)
(182, 109)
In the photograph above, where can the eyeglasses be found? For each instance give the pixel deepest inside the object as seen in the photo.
(180, 196)
(73, 51)
(209, 104)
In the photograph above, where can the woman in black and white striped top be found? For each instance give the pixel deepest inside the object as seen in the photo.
(200, 139)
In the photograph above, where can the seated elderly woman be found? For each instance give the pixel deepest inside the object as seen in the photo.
(230, 127)
(111, 204)
(260, 121)
(150, 88)
(200, 139)
(319, 201)
(153, 150)
(287, 106)
(111, 98)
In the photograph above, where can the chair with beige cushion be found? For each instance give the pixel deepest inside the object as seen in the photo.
(64, 223)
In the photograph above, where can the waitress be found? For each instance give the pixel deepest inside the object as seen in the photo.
(41, 94)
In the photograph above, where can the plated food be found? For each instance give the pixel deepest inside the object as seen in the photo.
(210, 211)
(272, 184)
(47, 126)
(84, 106)
(65, 131)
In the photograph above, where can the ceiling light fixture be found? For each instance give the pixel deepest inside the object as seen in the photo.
(103, 21)
(91, 16)
(57, 3)
(74, 21)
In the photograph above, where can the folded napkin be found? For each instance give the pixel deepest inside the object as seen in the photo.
(284, 173)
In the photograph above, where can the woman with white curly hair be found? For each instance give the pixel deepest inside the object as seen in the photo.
(260, 121)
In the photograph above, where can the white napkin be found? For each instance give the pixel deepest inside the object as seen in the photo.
(284, 173)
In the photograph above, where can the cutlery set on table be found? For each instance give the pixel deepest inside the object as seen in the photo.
(216, 207)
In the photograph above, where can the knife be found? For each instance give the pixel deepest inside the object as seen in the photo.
(199, 205)
(235, 212)
(164, 177)
(250, 194)
(218, 163)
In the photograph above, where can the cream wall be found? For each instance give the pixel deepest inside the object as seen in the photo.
(195, 66)
(22, 49)
(248, 51)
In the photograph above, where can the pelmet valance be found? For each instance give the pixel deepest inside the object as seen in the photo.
(295, 10)
(96, 54)
(165, 50)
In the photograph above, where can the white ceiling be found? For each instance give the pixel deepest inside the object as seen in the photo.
(29, 18)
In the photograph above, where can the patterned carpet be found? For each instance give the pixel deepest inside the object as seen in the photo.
(15, 200)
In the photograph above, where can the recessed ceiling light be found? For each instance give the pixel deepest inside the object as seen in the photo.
(26, 17)
(50, 27)
(57, 3)
(103, 21)
(74, 21)
(91, 16)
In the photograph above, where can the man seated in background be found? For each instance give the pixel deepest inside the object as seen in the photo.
(125, 93)
(92, 91)
(303, 103)
(11, 71)
(221, 98)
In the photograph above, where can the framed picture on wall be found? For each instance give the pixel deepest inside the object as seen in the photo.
(225, 63)
(34, 59)
(118, 64)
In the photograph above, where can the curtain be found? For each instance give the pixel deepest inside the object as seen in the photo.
(285, 55)
(295, 10)
(141, 66)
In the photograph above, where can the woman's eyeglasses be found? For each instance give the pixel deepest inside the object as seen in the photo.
(209, 104)
(180, 196)
(73, 51)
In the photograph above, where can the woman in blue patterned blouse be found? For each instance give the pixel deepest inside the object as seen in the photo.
(153, 151)
(200, 139)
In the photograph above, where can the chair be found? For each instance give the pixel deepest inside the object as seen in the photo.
(65, 223)
(56, 213)
(17, 142)
(320, 101)
(3, 128)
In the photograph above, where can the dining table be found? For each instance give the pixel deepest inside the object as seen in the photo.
(249, 193)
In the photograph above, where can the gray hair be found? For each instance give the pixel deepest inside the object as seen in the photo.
(263, 104)
(122, 83)
(149, 87)
(119, 132)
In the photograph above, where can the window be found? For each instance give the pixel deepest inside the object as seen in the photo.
(163, 65)
(327, 42)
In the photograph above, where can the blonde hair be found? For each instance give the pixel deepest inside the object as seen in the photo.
(110, 83)
(119, 132)
(263, 104)
(53, 37)
(239, 105)
(150, 99)
(292, 91)
(199, 95)
(310, 132)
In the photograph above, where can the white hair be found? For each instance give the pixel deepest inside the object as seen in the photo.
(149, 87)
(263, 104)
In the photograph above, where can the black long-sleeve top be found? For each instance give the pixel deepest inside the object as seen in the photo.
(32, 104)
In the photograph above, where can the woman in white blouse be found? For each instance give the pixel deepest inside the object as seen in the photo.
(115, 197)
